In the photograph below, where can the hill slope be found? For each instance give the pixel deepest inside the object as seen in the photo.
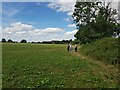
(105, 50)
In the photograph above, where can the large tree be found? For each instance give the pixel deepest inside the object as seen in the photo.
(9, 40)
(93, 20)
(3, 40)
(23, 41)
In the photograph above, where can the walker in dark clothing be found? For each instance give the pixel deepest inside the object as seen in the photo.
(75, 49)
(68, 47)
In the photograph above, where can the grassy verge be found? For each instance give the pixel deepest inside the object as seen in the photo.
(105, 50)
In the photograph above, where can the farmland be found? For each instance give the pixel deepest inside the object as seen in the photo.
(51, 66)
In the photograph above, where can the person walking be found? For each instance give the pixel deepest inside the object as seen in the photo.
(75, 47)
(68, 47)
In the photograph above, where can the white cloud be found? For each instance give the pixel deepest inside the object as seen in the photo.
(71, 25)
(17, 31)
(46, 31)
(71, 32)
(18, 26)
(52, 30)
(62, 6)
(68, 19)
(22, 32)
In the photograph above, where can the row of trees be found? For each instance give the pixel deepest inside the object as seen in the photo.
(11, 41)
(44, 42)
(94, 20)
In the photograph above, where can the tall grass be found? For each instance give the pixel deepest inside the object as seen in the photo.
(105, 50)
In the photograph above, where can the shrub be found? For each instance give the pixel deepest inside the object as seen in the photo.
(23, 41)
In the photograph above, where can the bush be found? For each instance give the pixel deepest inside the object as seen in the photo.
(23, 41)
(105, 50)
(3, 40)
(10, 41)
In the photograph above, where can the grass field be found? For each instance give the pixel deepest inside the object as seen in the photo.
(51, 66)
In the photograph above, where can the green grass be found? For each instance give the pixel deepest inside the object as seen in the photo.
(51, 66)
(105, 50)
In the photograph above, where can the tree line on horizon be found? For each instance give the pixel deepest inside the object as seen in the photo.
(43, 42)
(11, 41)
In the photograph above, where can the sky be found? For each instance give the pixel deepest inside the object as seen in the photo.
(38, 21)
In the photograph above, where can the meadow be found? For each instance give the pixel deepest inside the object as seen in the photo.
(52, 66)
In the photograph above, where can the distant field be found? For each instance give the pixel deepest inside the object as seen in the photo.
(51, 66)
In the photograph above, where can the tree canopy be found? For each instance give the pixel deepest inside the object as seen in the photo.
(23, 41)
(94, 20)
(3, 40)
(9, 40)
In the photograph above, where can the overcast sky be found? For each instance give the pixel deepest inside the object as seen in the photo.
(38, 21)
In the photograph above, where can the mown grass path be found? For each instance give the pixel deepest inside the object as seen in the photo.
(104, 70)
(102, 64)
(52, 66)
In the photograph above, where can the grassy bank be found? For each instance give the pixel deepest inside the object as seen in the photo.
(105, 50)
